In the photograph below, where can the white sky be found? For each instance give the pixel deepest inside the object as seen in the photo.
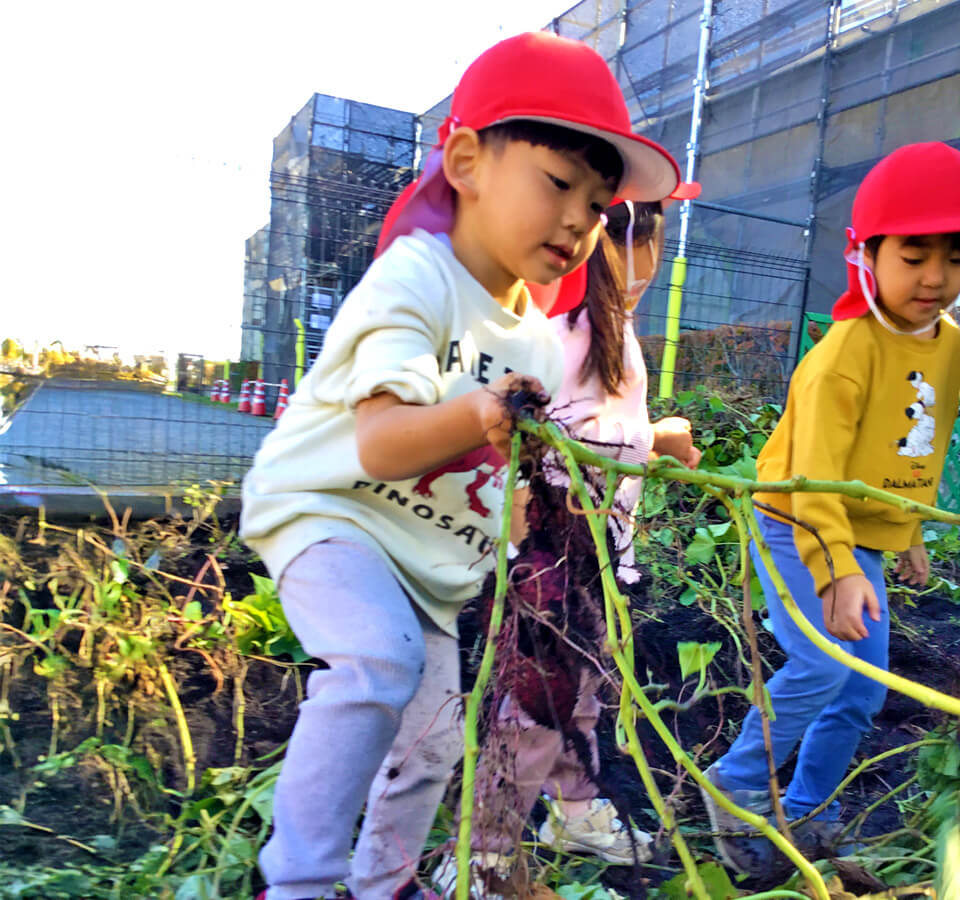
(137, 144)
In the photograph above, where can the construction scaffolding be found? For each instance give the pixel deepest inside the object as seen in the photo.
(336, 169)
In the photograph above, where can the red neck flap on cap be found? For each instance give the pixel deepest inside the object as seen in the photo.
(914, 190)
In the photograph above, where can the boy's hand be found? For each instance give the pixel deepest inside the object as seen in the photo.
(913, 565)
(844, 619)
(494, 418)
(672, 437)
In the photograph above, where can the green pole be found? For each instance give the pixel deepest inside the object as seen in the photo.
(678, 275)
(301, 351)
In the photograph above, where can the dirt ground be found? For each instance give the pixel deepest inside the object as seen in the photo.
(84, 801)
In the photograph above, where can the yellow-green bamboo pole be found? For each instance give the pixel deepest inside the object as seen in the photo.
(471, 745)
(301, 351)
(668, 365)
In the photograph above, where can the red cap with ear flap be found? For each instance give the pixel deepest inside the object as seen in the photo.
(914, 190)
(537, 77)
(564, 294)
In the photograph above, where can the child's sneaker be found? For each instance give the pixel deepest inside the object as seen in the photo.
(598, 832)
(746, 855)
(483, 867)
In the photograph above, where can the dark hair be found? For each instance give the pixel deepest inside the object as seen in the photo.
(606, 285)
(598, 153)
(872, 244)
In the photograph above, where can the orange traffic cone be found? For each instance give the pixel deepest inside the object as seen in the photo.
(224, 391)
(244, 404)
(215, 391)
(282, 399)
(258, 407)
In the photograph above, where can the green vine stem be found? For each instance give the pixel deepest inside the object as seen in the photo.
(664, 468)
(186, 742)
(620, 644)
(471, 745)
(620, 635)
(615, 600)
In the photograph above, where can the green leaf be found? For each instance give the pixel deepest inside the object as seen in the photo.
(715, 880)
(583, 892)
(767, 701)
(653, 499)
(701, 548)
(758, 599)
(664, 536)
(193, 611)
(688, 597)
(695, 657)
(264, 587)
(716, 404)
(722, 531)
(9, 816)
(120, 569)
(951, 762)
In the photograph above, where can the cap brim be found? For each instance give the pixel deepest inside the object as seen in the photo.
(649, 172)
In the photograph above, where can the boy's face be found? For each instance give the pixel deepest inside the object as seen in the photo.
(917, 277)
(537, 210)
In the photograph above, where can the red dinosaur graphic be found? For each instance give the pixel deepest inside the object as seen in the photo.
(483, 456)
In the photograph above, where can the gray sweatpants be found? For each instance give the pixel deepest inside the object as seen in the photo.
(381, 725)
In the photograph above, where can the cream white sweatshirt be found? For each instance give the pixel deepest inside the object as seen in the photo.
(421, 327)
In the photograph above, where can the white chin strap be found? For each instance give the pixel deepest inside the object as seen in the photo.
(868, 295)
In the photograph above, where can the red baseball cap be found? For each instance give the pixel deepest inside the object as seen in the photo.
(541, 77)
(914, 190)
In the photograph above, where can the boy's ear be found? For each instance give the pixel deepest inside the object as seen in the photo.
(461, 155)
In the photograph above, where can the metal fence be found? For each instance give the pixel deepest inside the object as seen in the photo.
(68, 432)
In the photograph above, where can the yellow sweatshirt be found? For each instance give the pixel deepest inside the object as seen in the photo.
(870, 405)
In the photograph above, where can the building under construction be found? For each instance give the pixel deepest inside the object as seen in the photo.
(336, 169)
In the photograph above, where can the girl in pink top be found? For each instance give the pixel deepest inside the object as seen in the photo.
(603, 403)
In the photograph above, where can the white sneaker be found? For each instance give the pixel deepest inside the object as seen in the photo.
(598, 832)
(482, 865)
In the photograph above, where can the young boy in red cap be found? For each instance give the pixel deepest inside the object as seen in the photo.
(375, 501)
(875, 400)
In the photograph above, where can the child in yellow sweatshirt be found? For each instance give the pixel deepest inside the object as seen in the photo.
(875, 400)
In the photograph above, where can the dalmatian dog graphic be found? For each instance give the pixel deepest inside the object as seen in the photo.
(485, 462)
(919, 440)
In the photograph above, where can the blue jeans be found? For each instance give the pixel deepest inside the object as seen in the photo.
(818, 701)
